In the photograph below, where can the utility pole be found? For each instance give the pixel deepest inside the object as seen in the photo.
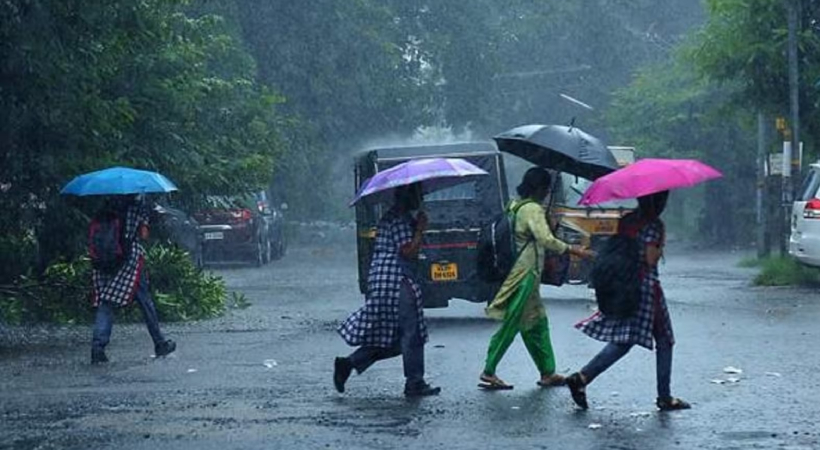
(762, 216)
(795, 23)
(791, 178)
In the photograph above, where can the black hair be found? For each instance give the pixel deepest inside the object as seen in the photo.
(652, 205)
(536, 178)
(408, 196)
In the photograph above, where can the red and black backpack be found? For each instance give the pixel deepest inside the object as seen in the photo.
(107, 246)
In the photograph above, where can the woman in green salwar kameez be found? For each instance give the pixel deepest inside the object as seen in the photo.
(518, 302)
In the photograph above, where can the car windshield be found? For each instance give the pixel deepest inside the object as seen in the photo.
(574, 187)
(230, 201)
(810, 186)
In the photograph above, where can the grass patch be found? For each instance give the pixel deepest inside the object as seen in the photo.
(750, 262)
(785, 271)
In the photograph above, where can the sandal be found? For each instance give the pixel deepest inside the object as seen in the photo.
(493, 383)
(577, 388)
(552, 381)
(672, 404)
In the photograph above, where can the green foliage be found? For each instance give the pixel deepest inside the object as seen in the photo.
(348, 67)
(132, 83)
(668, 111)
(360, 71)
(16, 256)
(63, 293)
(744, 43)
(785, 271)
(750, 262)
(237, 300)
(60, 295)
(181, 290)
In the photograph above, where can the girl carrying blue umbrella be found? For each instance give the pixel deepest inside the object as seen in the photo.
(117, 256)
(120, 286)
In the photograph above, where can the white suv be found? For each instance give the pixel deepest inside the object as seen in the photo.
(804, 243)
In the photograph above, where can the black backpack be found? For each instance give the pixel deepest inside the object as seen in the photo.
(107, 246)
(496, 246)
(615, 276)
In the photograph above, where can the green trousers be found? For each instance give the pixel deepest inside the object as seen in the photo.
(536, 336)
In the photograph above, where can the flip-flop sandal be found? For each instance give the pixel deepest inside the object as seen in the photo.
(494, 384)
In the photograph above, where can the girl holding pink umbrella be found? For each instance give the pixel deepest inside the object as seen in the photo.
(649, 326)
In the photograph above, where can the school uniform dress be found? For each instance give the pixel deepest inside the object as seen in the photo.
(130, 282)
(650, 327)
(391, 321)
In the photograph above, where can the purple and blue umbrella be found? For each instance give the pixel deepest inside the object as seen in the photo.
(433, 174)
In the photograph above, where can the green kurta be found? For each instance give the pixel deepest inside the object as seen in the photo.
(530, 224)
(518, 301)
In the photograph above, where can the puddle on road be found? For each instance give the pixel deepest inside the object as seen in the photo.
(747, 435)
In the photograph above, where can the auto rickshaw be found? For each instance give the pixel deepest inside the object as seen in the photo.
(447, 262)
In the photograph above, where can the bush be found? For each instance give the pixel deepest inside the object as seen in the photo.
(63, 293)
(17, 253)
(750, 262)
(181, 290)
(60, 295)
(785, 271)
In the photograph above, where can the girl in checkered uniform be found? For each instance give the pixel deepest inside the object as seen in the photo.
(391, 321)
(127, 284)
(650, 324)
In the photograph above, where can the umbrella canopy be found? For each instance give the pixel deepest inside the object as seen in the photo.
(118, 181)
(567, 149)
(648, 176)
(432, 173)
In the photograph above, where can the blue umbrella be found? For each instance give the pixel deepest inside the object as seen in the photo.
(118, 181)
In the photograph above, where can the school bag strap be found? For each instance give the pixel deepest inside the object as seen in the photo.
(513, 210)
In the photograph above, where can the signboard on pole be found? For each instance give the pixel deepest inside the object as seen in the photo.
(774, 165)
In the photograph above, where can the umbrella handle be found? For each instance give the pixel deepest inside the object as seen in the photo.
(555, 180)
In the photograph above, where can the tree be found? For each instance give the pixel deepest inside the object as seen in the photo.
(669, 111)
(139, 84)
(744, 43)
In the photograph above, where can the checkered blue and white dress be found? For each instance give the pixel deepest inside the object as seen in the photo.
(652, 311)
(377, 322)
(120, 288)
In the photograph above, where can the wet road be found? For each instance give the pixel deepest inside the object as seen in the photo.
(260, 377)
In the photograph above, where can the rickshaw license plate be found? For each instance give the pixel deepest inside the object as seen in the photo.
(609, 227)
(444, 272)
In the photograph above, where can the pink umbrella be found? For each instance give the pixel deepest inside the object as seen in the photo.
(648, 176)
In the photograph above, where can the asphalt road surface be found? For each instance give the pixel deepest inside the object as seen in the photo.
(260, 377)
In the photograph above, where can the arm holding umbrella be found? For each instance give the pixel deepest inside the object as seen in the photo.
(412, 248)
(409, 198)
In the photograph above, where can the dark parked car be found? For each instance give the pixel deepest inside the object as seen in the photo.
(241, 228)
(173, 226)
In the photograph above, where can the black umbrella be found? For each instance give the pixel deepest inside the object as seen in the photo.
(566, 149)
